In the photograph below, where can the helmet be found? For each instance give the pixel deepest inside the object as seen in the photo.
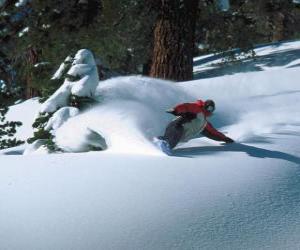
(209, 106)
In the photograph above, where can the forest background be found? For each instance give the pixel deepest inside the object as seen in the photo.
(156, 38)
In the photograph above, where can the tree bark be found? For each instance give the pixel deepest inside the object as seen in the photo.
(174, 38)
(32, 59)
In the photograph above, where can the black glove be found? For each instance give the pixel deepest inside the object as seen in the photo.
(228, 140)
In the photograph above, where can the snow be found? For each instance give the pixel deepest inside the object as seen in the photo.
(83, 67)
(37, 147)
(131, 196)
(224, 5)
(278, 55)
(25, 112)
(23, 31)
(2, 86)
(63, 67)
(60, 116)
(22, 3)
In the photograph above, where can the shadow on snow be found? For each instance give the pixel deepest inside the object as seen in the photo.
(277, 59)
(237, 147)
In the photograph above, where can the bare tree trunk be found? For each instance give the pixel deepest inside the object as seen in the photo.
(277, 26)
(32, 59)
(174, 36)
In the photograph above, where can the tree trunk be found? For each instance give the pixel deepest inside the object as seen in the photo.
(174, 37)
(32, 59)
(277, 26)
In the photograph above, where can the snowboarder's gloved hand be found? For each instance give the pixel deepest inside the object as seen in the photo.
(171, 111)
(228, 140)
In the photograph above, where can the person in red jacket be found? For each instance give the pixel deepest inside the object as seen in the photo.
(190, 122)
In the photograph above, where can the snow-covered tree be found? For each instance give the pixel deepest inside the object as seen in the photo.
(80, 79)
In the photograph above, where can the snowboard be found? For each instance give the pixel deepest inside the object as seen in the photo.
(163, 146)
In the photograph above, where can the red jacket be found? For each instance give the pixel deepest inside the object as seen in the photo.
(197, 108)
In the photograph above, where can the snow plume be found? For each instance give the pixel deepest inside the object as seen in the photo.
(265, 115)
(131, 111)
(250, 107)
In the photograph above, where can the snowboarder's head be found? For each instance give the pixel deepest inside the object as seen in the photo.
(209, 106)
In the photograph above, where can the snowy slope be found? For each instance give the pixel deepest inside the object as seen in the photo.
(26, 113)
(268, 57)
(131, 196)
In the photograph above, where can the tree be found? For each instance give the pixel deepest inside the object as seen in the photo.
(7, 128)
(80, 80)
(126, 35)
(245, 24)
(219, 31)
(11, 24)
(159, 34)
(174, 39)
(54, 29)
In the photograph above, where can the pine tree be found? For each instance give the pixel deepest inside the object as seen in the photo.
(159, 34)
(79, 77)
(174, 34)
(245, 24)
(7, 128)
(11, 25)
(53, 27)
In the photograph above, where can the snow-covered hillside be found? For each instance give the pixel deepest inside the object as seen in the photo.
(207, 196)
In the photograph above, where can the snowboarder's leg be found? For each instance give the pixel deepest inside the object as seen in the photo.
(173, 132)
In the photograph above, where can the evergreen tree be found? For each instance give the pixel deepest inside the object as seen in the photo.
(173, 45)
(245, 24)
(79, 78)
(127, 34)
(7, 128)
(126, 39)
(54, 27)
(11, 25)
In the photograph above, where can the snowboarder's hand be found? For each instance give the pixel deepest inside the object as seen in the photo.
(171, 111)
(228, 140)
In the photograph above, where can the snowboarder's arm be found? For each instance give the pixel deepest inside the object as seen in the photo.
(187, 108)
(211, 133)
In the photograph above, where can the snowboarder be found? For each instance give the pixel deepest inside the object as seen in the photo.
(190, 122)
